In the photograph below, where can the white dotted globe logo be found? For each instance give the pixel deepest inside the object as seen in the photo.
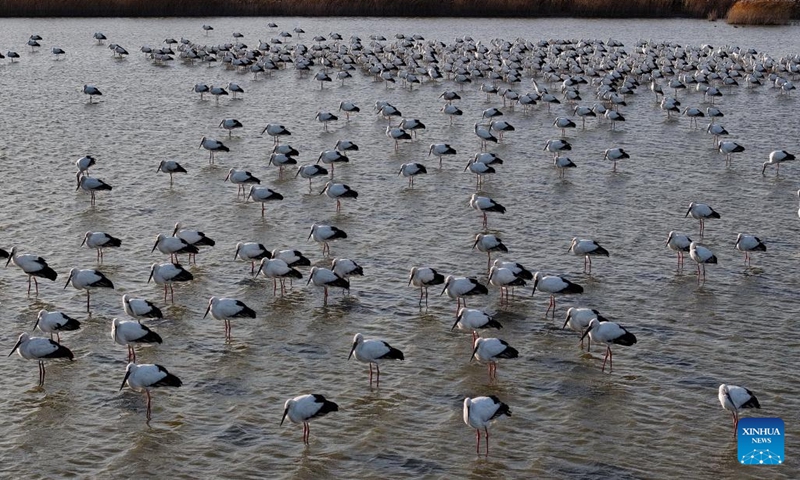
(761, 457)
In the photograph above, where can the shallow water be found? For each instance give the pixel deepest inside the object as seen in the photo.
(656, 415)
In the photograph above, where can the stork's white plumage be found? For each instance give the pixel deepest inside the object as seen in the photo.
(373, 352)
(88, 279)
(147, 376)
(304, 408)
(277, 269)
(129, 333)
(40, 349)
(480, 413)
(99, 241)
(460, 287)
(423, 277)
(734, 398)
(553, 285)
(608, 333)
(140, 308)
(33, 266)
(323, 277)
(55, 322)
(227, 308)
(490, 350)
(168, 273)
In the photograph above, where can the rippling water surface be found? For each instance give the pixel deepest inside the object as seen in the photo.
(654, 417)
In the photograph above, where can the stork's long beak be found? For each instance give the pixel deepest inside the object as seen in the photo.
(352, 350)
(127, 374)
(474, 351)
(16, 345)
(286, 411)
(586, 333)
(154, 247)
(68, 279)
(207, 310)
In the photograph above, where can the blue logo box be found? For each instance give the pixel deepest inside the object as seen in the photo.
(761, 441)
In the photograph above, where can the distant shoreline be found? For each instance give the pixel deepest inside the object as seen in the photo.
(764, 12)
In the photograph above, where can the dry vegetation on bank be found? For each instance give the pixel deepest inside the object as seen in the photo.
(762, 12)
(765, 12)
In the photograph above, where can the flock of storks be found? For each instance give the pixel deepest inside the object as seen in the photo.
(503, 67)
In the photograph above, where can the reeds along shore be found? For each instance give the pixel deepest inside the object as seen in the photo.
(741, 11)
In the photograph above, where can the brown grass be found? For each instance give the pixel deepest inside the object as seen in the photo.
(758, 11)
(763, 12)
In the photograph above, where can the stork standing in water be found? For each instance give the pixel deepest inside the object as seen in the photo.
(311, 171)
(504, 278)
(679, 243)
(323, 277)
(701, 211)
(194, 238)
(146, 376)
(474, 319)
(33, 266)
(485, 204)
(776, 158)
(553, 285)
(251, 251)
(411, 170)
(489, 243)
(480, 413)
(226, 308)
(491, 350)
(168, 273)
(40, 349)
(734, 398)
(230, 124)
(171, 167)
(92, 92)
(277, 269)
(88, 279)
(212, 146)
(587, 248)
(440, 150)
(373, 352)
(99, 241)
(263, 195)
(702, 256)
(91, 185)
(608, 333)
(55, 322)
(304, 408)
(423, 277)
(749, 243)
(338, 191)
(578, 320)
(323, 233)
(460, 287)
(140, 308)
(129, 333)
